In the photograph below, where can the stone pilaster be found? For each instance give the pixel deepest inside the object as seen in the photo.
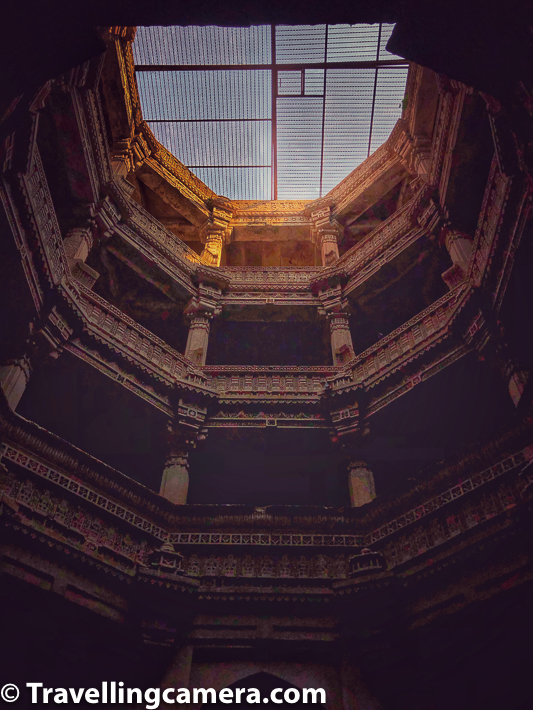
(421, 156)
(459, 246)
(175, 481)
(214, 231)
(214, 243)
(14, 377)
(198, 339)
(360, 484)
(341, 338)
(515, 376)
(329, 247)
(77, 244)
(179, 671)
(355, 695)
(327, 232)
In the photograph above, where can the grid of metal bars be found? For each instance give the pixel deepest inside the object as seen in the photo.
(271, 111)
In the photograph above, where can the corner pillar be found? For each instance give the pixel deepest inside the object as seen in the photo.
(360, 484)
(178, 673)
(341, 338)
(46, 339)
(214, 231)
(327, 232)
(355, 694)
(459, 246)
(515, 376)
(421, 156)
(329, 246)
(198, 339)
(14, 378)
(77, 244)
(175, 481)
(212, 253)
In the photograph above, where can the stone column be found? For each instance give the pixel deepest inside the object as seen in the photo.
(421, 156)
(341, 338)
(326, 232)
(459, 246)
(178, 673)
(14, 377)
(329, 248)
(175, 481)
(77, 244)
(214, 242)
(360, 484)
(198, 339)
(515, 376)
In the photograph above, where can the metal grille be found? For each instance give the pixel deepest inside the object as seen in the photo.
(270, 112)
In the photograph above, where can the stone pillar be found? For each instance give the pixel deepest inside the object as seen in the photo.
(178, 673)
(459, 246)
(326, 231)
(421, 156)
(360, 484)
(77, 244)
(329, 248)
(214, 242)
(175, 481)
(13, 379)
(341, 338)
(198, 339)
(515, 376)
(355, 695)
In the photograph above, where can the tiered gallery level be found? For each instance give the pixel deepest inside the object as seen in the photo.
(153, 328)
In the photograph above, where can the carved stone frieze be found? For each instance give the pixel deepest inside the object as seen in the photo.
(63, 509)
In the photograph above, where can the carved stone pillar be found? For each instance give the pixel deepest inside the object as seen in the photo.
(78, 243)
(326, 232)
(14, 377)
(360, 484)
(341, 338)
(515, 376)
(421, 156)
(214, 243)
(175, 481)
(198, 339)
(329, 247)
(179, 671)
(459, 246)
(355, 695)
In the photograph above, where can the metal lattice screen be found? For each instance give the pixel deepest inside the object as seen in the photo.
(270, 112)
